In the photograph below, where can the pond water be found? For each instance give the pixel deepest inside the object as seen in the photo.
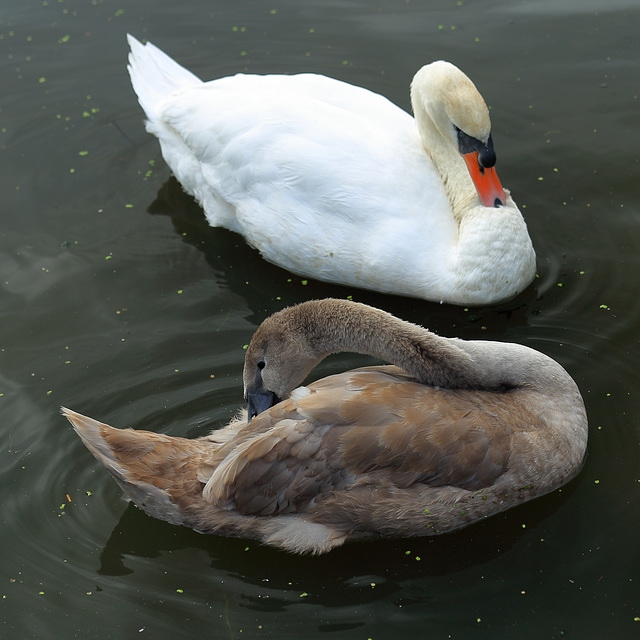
(117, 300)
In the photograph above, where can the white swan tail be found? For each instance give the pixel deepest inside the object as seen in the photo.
(155, 76)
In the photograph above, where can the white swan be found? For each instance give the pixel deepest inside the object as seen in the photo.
(457, 431)
(335, 182)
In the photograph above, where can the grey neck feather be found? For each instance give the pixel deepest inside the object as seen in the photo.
(332, 326)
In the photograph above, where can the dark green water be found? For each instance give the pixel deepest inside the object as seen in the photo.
(117, 300)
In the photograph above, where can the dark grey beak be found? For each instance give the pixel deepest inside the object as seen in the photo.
(260, 401)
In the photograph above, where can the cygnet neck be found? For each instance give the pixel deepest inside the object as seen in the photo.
(333, 326)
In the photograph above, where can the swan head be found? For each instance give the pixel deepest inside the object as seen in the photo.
(279, 357)
(451, 114)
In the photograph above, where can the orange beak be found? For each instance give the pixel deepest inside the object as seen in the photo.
(486, 181)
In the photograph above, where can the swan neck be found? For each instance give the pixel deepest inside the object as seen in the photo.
(313, 330)
(344, 326)
(433, 125)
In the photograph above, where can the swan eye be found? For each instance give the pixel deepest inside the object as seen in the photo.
(467, 143)
(261, 364)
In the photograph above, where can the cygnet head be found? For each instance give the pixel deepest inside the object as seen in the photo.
(278, 358)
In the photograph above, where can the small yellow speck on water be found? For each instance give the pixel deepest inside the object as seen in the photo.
(179, 291)
(596, 481)
(179, 591)
(524, 526)
(478, 619)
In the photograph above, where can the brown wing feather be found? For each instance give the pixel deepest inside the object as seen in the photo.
(437, 437)
(354, 425)
(280, 471)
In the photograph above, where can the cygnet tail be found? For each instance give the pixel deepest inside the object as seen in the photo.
(155, 76)
(92, 433)
(120, 450)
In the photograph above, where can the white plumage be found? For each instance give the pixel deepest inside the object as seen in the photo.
(335, 182)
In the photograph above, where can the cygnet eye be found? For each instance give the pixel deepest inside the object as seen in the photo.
(261, 364)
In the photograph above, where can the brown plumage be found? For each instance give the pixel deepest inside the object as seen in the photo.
(464, 430)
